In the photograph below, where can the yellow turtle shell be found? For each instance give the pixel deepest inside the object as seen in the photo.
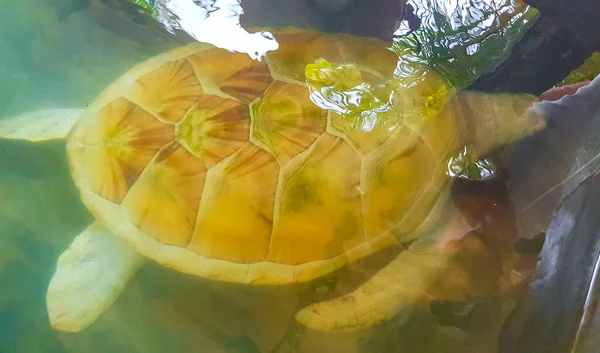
(221, 166)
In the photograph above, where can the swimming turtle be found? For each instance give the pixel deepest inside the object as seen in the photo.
(268, 172)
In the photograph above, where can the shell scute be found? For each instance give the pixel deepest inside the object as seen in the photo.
(372, 56)
(394, 177)
(164, 201)
(231, 75)
(214, 128)
(321, 185)
(122, 138)
(296, 50)
(285, 122)
(168, 91)
(366, 132)
(236, 212)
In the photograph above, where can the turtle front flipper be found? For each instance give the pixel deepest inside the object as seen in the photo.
(407, 282)
(488, 121)
(90, 276)
(39, 125)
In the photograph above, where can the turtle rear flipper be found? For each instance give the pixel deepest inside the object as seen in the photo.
(39, 125)
(89, 277)
(405, 283)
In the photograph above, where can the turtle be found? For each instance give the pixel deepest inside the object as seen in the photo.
(270, 171)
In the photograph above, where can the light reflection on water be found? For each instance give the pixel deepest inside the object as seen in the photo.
(217, 23)
(476, 34)
(161, 309)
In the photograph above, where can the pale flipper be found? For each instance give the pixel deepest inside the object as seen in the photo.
(90, 276)
(39, 125)
(405, 283)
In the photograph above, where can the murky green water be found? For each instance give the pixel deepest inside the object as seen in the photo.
(62, 53)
